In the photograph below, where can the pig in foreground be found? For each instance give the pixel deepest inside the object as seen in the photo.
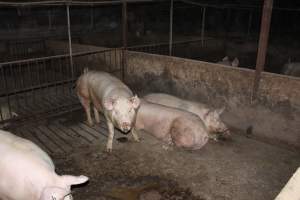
(111, 97)
(226, 61)
(291, 68)
(211, 118)
(28, 173)
(172, 126)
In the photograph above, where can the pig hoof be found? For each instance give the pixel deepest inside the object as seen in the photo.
(167, 147)
(214, 138)
(108, 150)
(90, 123)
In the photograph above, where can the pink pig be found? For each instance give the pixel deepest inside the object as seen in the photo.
(210, 117)
(28, 173)
(172, 126)
(110, 96)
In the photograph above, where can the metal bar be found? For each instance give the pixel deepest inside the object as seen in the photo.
(124, 23)
(249, 23)
(171, 28)
(70, 39)
(262, 45)
(57, 56)
(92, 17)
(49, 19)
(41, 86)
(125, 30)
(203, 25)
(59, 3)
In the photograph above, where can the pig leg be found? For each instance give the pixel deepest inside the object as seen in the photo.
(96, 114)
(110, 135)
(135, 135)
(86, 105)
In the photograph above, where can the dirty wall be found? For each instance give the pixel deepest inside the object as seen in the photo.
(273, 117)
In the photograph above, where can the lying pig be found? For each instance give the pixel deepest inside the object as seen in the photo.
(172, 126)
(111, 97)
(226, 61)
(211, 118)
(28, 173)
(291, 68)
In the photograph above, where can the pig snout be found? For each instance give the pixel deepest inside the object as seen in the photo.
(125, 126)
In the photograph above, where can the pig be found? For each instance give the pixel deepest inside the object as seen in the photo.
(111, 97)
(291, 68)
(211, 117)
(226, 61)
(27, 172)
(173, 126)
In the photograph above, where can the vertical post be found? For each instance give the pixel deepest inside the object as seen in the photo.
(70, 40)
(124, 35)
(203, 26)
(249, 23)
(171, 29)
(49, 19)
(262, 45)
(92, 17)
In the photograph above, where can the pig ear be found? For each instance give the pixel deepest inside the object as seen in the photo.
(225, 58)
(235, 62)
(135, 101)
(220, 111)
(69, 180)
(109, 103)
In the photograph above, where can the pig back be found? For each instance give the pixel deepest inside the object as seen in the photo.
(103, 85)
(189, 132)
(11, 143)
(175, 102)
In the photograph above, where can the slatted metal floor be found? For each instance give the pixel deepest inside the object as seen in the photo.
(64, 133)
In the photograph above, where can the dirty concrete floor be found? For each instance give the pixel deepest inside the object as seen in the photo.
(237, 169)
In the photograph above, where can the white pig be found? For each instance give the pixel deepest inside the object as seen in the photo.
(210, 117)
(110, 96)
(172, 126)
(291, 68)
(226, 61)
(28, 173)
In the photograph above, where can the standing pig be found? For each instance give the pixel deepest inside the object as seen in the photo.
(28, 173)
(211, 118)
(172, 126)
(111, 97)
(291, 68)
(226, 61)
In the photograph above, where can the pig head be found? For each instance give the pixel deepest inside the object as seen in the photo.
(27, 172)
(122, 111)
(226, 61)
(291, 68)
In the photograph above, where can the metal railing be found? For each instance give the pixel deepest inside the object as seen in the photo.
(37, 86)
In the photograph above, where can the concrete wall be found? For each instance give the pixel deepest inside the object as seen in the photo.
(274, 117)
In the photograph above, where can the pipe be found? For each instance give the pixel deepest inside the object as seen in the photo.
(203, 26)
(171, 29)
(124, 35)
(262, 45)
(70, 40)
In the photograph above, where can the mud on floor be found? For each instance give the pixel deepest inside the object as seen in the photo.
(112, 178)
(238, 169)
